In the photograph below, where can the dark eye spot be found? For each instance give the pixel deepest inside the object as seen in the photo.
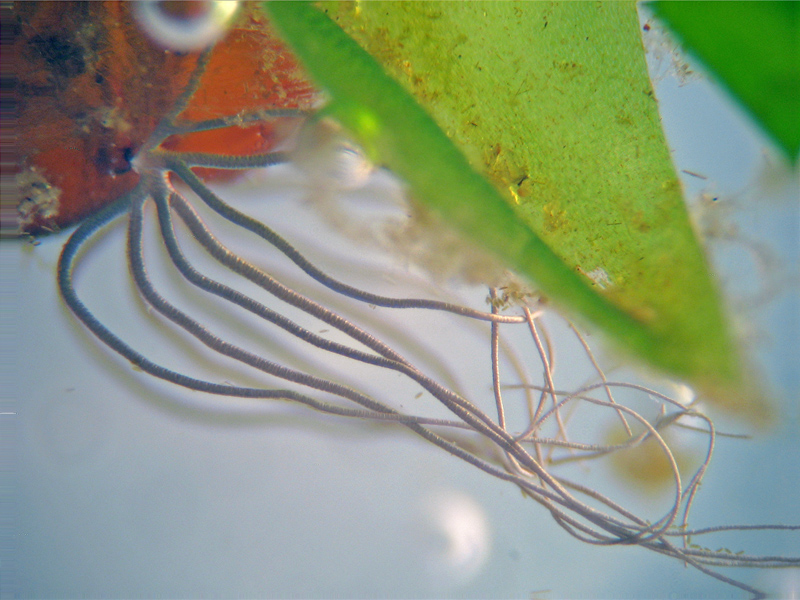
(114, 161)
(63, 56)
(127, 156)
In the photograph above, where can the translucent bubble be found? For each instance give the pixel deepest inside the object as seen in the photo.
(464, 540)
(185, 26)
(329, 159)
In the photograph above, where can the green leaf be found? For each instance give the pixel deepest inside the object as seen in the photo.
(553, 103)
(753, 48)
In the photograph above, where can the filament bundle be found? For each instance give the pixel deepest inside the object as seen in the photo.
(477, 429)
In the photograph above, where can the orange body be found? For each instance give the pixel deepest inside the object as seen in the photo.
(90, 88)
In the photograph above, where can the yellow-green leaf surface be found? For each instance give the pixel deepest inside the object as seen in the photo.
(753, 48)
(552, 102)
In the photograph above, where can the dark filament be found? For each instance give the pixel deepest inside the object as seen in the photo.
(522, 460)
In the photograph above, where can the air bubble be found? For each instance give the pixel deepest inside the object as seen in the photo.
(185, 26)
(329, 159)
